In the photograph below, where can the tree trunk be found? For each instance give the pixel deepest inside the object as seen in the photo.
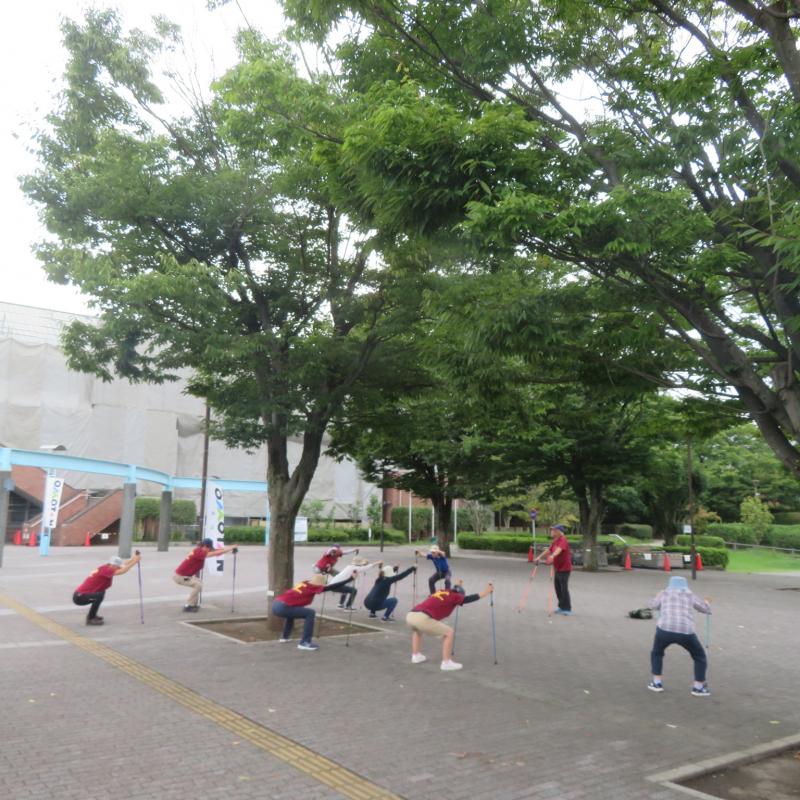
(443, 510)
(286, 493)
(591, 506)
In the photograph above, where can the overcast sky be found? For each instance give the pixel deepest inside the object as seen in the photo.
(32, 64)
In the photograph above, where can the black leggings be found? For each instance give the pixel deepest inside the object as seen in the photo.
(561, 584)
(95, 598)
(343, 590)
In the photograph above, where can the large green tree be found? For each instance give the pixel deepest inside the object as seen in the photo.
(209, 241)
(680, 187)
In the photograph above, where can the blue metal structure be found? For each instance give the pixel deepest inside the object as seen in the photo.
(130, 474)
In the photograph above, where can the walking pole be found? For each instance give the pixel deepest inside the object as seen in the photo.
(526, 591)
(200, 593)
(455, 628)
(233, 582)
(494, 634)
(349, 626)
(550, 595)
(141, 601)
(415, 580)
(708, 631)
(319, 616)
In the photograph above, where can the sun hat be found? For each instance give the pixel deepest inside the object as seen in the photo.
(678, 584)
(388, 571)
(116, 561)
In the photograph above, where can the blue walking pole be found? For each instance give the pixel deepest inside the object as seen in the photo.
(141, 600)
(494, 635)
(708, 631)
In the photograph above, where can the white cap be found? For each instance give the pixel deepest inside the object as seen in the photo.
(388, 571)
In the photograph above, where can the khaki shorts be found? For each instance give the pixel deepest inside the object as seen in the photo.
(422, 623)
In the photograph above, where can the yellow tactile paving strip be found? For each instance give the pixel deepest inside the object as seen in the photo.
(321, 769)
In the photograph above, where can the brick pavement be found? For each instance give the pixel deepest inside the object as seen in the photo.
(565, 714)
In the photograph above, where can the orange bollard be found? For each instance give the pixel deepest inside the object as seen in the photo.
(87, 542)
(698, 563)
(530, 554)
(32, 540)
(628, 559)
(18, 537)
(667, 565)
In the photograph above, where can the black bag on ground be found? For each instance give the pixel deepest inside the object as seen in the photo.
(641, 613)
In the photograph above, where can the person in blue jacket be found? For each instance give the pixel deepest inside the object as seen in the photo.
(378, 598)
(440, 565)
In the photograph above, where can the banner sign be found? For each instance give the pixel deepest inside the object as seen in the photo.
(52, 501)
(214, 526)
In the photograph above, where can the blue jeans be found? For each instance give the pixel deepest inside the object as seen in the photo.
(388, 605)
(688, 641)
(290, 614)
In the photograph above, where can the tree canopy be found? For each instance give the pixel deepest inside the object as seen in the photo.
(677, 183)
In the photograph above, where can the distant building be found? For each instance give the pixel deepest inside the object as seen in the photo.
(43, 402)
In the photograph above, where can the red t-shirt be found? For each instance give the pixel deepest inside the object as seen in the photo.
(99, 580)
(440, 604)
(193, 563)
(329, 559)
(300, 595)
(563, 561)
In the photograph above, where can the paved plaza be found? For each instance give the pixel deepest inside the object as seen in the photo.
(165, 711)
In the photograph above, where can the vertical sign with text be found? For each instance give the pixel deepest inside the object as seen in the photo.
(214, 526)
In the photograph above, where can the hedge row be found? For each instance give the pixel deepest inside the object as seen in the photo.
(255, 535)
(507, 543)
(710, 556)
(777, 536)
(685, 540)
(632, 530)
(786, 517)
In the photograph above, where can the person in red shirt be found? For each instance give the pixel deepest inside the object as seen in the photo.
(192, 565)
(92, 591)
(325, 566)
(293, 604)
(559, 556)
(427, 616)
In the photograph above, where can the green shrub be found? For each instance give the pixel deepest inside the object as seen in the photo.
(754, 512)
(634, 530)
(685, 540)
(711, 556)
(184, 512)
(490, 541)
(241, 534)
(786, 536)
(736, 532)
(354, 535)
(420, 521)
(786, 517)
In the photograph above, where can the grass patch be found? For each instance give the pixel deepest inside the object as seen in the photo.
(761, 561)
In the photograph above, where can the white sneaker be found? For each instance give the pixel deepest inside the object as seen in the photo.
(284, 640)
(449, 665)
(418, 658)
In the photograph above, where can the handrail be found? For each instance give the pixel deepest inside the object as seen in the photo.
(130, 473)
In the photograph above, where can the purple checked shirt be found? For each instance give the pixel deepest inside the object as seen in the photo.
(676, 610)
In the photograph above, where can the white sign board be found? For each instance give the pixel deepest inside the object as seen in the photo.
(301, 529)
(687, 528)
